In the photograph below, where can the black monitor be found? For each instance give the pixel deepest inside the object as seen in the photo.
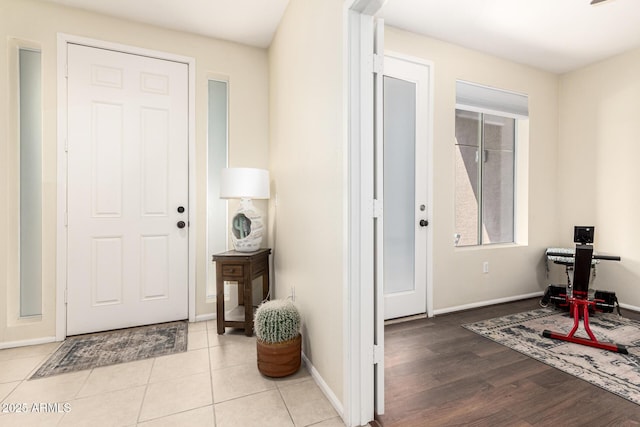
(583, 234)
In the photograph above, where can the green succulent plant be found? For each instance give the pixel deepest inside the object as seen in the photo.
(277, 321)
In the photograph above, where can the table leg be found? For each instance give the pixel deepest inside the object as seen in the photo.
(241, 290)
(219, 299)
(248, 302)
(265, 282)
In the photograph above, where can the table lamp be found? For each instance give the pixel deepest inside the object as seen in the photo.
(245, 184)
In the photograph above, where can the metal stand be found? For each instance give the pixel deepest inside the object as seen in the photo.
(580, 310)
(579, 303)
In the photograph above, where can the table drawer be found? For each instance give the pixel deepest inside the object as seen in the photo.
(232, 270)
(260, 267)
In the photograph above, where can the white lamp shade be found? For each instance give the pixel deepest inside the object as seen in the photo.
(244, 183)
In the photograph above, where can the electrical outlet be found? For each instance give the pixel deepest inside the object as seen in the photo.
(485, 267)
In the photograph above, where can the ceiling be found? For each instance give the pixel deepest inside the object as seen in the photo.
(554, 35)
(251, 22)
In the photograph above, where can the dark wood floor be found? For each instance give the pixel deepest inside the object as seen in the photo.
(440, 374)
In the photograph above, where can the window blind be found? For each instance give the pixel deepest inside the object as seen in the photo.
(487, 98)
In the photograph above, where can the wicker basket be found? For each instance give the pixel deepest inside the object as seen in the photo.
(279, 359)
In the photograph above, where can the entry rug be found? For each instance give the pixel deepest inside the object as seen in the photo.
(109, 348)
(614, 372)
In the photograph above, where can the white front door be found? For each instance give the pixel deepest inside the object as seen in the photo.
(406, 213)
(127, 201)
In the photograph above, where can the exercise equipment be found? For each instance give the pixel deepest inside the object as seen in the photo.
(577, 294)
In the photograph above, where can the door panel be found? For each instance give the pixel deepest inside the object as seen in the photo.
(155, 162)
(127, 174)
(106, 266)
(106, 159)
(405, 187)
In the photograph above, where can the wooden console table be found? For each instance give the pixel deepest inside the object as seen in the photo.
(241, 267)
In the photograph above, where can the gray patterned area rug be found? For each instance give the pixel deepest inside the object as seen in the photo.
(109, 348)
(614, 372)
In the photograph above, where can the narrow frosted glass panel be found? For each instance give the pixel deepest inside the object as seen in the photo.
(217, 160)
(30, 183)
(399, 185)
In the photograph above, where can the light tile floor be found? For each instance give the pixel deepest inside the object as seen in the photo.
(215, 383)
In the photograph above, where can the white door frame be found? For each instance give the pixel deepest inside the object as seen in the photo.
(358, 315)
(61, 228)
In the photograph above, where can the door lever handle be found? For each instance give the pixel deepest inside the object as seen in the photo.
(424, 223)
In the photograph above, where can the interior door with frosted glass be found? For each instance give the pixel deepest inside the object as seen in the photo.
(405, 187)
(127, 166)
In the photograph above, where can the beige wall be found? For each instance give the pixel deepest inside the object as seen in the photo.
(513, 269)
(307, 146)
(598, 162)
(245, 67)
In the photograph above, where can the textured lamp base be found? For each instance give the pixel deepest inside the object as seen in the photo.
(247, 227)
(247, 245)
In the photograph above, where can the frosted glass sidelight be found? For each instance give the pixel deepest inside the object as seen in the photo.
(399, 184)
(216, 161)
(30, 114)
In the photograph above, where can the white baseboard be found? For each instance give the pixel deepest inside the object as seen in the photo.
(205, 317)
(487, 303)
(24, 343)
(212, 316)
(630, 307)
(335, 402)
